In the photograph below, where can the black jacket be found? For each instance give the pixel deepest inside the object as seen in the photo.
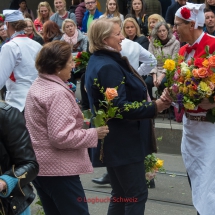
(143, 41)
(17, 159)
(170, 13)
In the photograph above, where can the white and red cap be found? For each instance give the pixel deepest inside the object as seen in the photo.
(192, 12)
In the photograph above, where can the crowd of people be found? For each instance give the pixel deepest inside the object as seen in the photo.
(41, 122)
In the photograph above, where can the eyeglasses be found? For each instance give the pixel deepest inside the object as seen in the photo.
(178, 24)
(90, 2)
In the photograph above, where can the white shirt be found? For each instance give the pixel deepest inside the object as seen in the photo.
(18, 57)
(135, 54)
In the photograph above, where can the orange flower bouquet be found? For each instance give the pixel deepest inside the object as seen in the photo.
(190, 82)
(107, 110)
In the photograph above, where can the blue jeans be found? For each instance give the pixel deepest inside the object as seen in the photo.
(61, 195)
(129, 189)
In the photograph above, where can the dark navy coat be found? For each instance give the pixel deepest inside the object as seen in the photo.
(130, 139)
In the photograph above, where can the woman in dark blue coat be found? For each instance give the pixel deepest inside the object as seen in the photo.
(132, 137)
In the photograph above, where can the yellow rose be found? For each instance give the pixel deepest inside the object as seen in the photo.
(204, 87)
(189, 106)
(159, 163)
(169, 65)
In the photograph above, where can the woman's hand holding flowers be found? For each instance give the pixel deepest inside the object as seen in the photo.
(102, 131)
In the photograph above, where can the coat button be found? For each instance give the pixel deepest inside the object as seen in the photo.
(14, 207)
(11, 196)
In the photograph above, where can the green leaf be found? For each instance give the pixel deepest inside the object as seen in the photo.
(160, 138)
(111, 111)
(98, 121)
(207, 50)
(87, 114)
(119, 116)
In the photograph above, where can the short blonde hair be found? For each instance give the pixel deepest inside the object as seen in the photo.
(156, 17)
(64, 23)
(130, 19)
(44, 4)
(99, 30)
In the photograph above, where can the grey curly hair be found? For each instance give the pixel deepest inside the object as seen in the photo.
(154, 33)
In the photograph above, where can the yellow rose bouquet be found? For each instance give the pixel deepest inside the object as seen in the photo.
(190, 82)
(153, 165)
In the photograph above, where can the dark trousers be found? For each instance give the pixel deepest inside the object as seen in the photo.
(61, 195)
(150, 84)
(129, 190)
(191, 187)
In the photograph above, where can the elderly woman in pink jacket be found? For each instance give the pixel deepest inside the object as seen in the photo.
(55, 121)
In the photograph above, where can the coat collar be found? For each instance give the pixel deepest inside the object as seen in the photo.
(56, 79)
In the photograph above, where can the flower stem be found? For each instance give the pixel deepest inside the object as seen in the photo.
(102, 151)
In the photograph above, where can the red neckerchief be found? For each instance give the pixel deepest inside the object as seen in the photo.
(31, 36)
(12, 77)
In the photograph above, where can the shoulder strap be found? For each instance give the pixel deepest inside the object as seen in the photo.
(5, 106)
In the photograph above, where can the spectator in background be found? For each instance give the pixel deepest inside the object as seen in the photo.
(169, 47)
(73, 36)
(79, 13)
(91, 14)
(32, 33)
(61, 13)
(153, 6)
(3, 33)
(17, 60)
(152, 21)
(131, 31)
(210, 4)
(44, 12)
(138, 12)
(170, 14)
(164, 5)
(112, 10)
(24, 9)
(51, 32)
(209, 22)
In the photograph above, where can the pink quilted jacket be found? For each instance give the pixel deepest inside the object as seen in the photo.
(55, 121)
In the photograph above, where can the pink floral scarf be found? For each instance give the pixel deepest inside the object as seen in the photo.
(73, 39)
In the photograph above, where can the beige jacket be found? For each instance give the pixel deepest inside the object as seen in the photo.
(169, 50)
